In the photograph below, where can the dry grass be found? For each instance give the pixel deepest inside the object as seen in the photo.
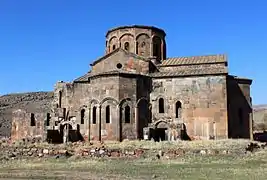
(249, 166)
(253, 166)
(135, 144)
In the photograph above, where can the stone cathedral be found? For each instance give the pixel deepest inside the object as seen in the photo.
(134, 91)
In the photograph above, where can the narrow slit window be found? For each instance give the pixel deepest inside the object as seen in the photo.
(127, 113)
(32, 120)
(108, 114)
(48, 117)
(82, 116)
(94, 115)
(60, 99)
(178, 108)
(127, 46)
(161, 105)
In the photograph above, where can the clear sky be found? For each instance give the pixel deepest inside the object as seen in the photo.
(43, 41)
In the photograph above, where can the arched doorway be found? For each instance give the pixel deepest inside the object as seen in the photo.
(160, 132)
(143, 116)
(126, 124)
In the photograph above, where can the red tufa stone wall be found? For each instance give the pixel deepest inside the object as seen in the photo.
(21, 125)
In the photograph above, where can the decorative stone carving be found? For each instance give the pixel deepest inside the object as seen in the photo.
(156, 85)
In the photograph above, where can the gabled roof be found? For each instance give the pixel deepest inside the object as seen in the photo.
(194, 60)
(83, 78)
(120, 50)
(88, 75)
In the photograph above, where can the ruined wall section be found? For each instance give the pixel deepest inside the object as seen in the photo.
(34, 102)
(203, 101)
(27, 125)
(259, 118)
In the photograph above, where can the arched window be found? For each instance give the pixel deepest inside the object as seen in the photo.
(157, 47)
(82, 116)
(137, 50)
(113, 47)
(126, 46)
(94, 115)
(161, 105)
(48, 117)
(107, 114)
(127, 114)
(32, 120)
(60, 99)
(178, 108)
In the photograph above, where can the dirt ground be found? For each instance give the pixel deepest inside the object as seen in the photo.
(250, 166)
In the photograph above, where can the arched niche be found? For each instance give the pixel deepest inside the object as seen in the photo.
(143, 44)
(127, 41)
(113, 44)
(156, 49)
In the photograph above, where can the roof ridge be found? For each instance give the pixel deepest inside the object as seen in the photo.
(207, 55)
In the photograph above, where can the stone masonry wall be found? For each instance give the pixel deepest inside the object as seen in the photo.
(140, 40)
(24, 126)
(114, 91)
(260, 118)
(32, 102)
(204, 104)
(129, 64)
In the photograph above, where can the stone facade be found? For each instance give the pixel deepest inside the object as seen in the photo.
(135, 90)
(27, 125)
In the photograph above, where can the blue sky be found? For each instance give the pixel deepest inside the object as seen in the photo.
(44, 41)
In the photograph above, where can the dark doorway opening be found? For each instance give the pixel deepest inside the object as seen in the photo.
(160, 134)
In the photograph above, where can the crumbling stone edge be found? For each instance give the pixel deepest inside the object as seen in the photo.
(37, 150)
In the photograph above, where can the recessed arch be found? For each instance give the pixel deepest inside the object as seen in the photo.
(143, 43)
(140, 99)
(94, 101)
(114, 101)
(67, 122)
(161, 124)
(156, 42)
(124, 101)
(113, 43)
(160, 96)
(143, 116)
(142, 34)
(112, 39)
(126, 34)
